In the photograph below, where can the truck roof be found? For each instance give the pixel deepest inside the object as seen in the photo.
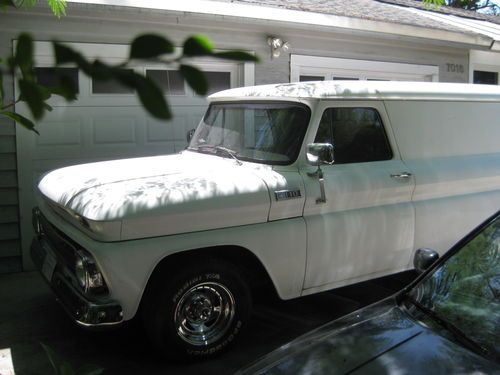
(386, 90)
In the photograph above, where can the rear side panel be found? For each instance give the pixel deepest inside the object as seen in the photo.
(453, 151)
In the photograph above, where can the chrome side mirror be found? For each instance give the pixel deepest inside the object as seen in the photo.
(189, 135)
(424, 258)
(319, 154)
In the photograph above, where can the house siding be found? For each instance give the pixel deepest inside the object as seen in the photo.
(118, 25)
(10, 245)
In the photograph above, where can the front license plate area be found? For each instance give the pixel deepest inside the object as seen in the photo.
(49, 265)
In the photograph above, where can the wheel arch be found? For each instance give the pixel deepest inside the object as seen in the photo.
(253, 268)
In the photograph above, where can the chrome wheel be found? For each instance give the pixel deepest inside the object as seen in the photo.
(204, 313)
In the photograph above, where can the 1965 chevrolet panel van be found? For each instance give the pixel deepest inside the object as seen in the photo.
(304, 186)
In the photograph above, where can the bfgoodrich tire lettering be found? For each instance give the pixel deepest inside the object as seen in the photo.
(198, 311)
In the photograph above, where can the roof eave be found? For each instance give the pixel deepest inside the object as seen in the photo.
(343, 24)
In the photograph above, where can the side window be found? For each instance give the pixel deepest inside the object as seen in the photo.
(357, 134)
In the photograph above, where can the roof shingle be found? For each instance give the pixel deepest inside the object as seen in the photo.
(392, 11)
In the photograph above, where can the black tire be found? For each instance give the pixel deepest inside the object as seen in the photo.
(198, 310)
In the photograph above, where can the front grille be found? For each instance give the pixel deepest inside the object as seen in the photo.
(62, 245)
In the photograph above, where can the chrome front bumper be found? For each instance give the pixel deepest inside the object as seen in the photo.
(98, 312)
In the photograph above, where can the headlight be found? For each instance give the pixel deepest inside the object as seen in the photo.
(88, 275)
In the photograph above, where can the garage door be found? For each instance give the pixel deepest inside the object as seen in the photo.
(315, 68)
(107, 121)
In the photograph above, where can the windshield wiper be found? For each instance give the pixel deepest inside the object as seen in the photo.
(230, 152)
(216, 149)
(455, 331)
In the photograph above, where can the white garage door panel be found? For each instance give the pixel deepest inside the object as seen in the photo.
(105, 126)
(59, 132)
(87, 133)
(158, 133)
(114, 130)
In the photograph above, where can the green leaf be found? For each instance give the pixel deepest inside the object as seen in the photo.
(33, 96)
(24, 49)
(52, 356)
(150, 45)
(67, 88)
(198, 45)
(101, 71)
(64, 55)
(11, 63)
(236, 56)
(5, 3)
(24, 55)
(89, 370)
(65, 369)
(152, 99)
(195, 78)
(1, 89)
(21, 120)
(24, 3)
(45, 92)
(58, 7)
(434, 3)
(125, 76)
(149, 93)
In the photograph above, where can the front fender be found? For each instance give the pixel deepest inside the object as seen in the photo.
(127, 265)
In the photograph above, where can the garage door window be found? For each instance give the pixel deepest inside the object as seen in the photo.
(356, 133)
(51, 77)
(218, 81)
(110, 86)
(170, 81)
(311, 78)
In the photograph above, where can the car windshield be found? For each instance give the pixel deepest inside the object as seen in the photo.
(465, 290)
(268, 133)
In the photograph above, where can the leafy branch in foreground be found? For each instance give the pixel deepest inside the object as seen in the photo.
(484, 6)
(434, 3)
(150, 47)
(62, 367)
(58, 7)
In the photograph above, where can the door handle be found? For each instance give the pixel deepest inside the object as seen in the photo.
(401, 176)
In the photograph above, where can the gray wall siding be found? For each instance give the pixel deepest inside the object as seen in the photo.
(10, 247)
(119, 25)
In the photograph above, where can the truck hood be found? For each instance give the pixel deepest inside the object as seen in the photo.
(163, 195)
(380, 339)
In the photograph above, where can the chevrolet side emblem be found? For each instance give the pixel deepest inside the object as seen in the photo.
(282, 195)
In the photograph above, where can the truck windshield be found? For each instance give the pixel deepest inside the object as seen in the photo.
(268, 133)
(465, 291)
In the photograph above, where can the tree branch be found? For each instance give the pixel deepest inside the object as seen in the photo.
(12, 104)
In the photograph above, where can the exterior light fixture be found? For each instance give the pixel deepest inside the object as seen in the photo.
(277, 45)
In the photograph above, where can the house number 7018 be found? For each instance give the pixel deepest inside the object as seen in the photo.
(455, 68)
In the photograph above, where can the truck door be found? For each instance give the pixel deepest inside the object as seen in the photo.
(365, 228)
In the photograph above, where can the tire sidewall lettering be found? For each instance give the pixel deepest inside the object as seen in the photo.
(230, 337)
(195, 280)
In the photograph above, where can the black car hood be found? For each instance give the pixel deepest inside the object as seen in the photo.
(380, 339)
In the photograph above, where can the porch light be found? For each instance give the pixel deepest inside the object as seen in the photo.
(277, 45)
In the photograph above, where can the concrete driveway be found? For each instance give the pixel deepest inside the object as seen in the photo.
(29, 315)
